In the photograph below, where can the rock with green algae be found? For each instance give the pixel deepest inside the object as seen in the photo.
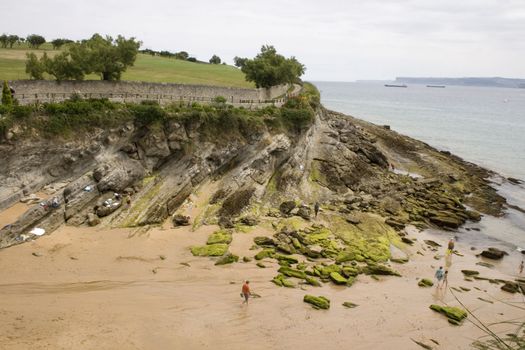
(470, 272)
(378, 269)
(399, 260)
(312, 281)
(454, 314)
(220, 236)
(246, 259)
(288, 259)
(349, 305)
(218, 249)
(227, 258)
(425, 282)
(351, 271)
(264, 241)
(348, 255)
(261, 265)
(325, 271)
(282, 281)
(337, 278)
(265, 253)
(319, 302)
(287, 271)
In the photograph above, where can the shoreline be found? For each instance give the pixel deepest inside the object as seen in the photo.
(92, 287)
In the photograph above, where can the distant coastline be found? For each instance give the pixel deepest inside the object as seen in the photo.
(489, 82)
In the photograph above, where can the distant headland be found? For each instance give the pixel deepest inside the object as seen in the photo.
(489, 81)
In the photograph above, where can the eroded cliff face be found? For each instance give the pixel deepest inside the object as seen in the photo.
(355, 169)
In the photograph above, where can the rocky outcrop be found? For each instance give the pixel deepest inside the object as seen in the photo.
(344, 161)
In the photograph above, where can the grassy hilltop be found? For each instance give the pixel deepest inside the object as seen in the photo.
(146, 68)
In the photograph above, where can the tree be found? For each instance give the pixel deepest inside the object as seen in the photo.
(35, 67)
(106, 56)
(215, 59)
(239, 61)
(7, 98)
(35, 40)
(269, 68)
(182, 55)
(58, 43)
(12, 39)
(3, 40)
(63, 67)
(191, 59)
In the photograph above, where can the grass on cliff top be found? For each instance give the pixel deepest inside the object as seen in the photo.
(147, 68)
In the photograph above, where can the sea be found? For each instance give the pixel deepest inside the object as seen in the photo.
(483, 125)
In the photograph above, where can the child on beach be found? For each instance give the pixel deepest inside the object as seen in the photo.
(521, 267)
(439, 275)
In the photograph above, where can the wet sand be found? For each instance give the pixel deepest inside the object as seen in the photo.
(96, 288)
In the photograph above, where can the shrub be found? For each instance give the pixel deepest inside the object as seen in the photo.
(21, 112)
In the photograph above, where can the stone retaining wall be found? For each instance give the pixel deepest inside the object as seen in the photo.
(33, 91)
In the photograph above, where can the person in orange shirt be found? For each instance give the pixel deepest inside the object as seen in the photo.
(246, 291)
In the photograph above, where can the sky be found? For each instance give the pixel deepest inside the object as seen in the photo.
(336, 40)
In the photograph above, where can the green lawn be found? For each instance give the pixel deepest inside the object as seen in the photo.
(146, 68)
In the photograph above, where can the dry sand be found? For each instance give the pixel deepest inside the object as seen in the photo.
(94, 288)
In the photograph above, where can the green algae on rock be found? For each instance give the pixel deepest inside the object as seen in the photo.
(378, 269)
(218, 249)
(349, 305)
(265, 253)
(287, 271)
(227, 258)
(337, 278)
(220, 236)
(282, 281)
(425, 282)
(454, 314)
(319, 302)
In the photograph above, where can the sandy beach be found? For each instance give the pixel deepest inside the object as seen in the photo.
(86, 288)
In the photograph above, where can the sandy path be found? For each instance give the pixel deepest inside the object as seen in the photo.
(95, 288)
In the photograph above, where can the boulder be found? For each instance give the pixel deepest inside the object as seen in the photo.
(218, 249)
(121, 174)
(454, 314)
(312, 281)
(431, 243)
(395, 224)
(513, 287)
(319, 302)
(227, 258)
(249, 220)
(92, 219)
(264, 241)
(220, 236)
(180, 220)
(377, 269)
(470, 272)
(493, 253)
(265, 253)
(304, 212)
(337, 278)
(287, 271)
(105, 210)
(425, 282)
(349, 305)
(281, 281)
(286, 207)
(446, 221)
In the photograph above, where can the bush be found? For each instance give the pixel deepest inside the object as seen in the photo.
(21, 112)
(147, 113)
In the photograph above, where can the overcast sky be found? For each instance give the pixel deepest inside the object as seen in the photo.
(336, 40)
